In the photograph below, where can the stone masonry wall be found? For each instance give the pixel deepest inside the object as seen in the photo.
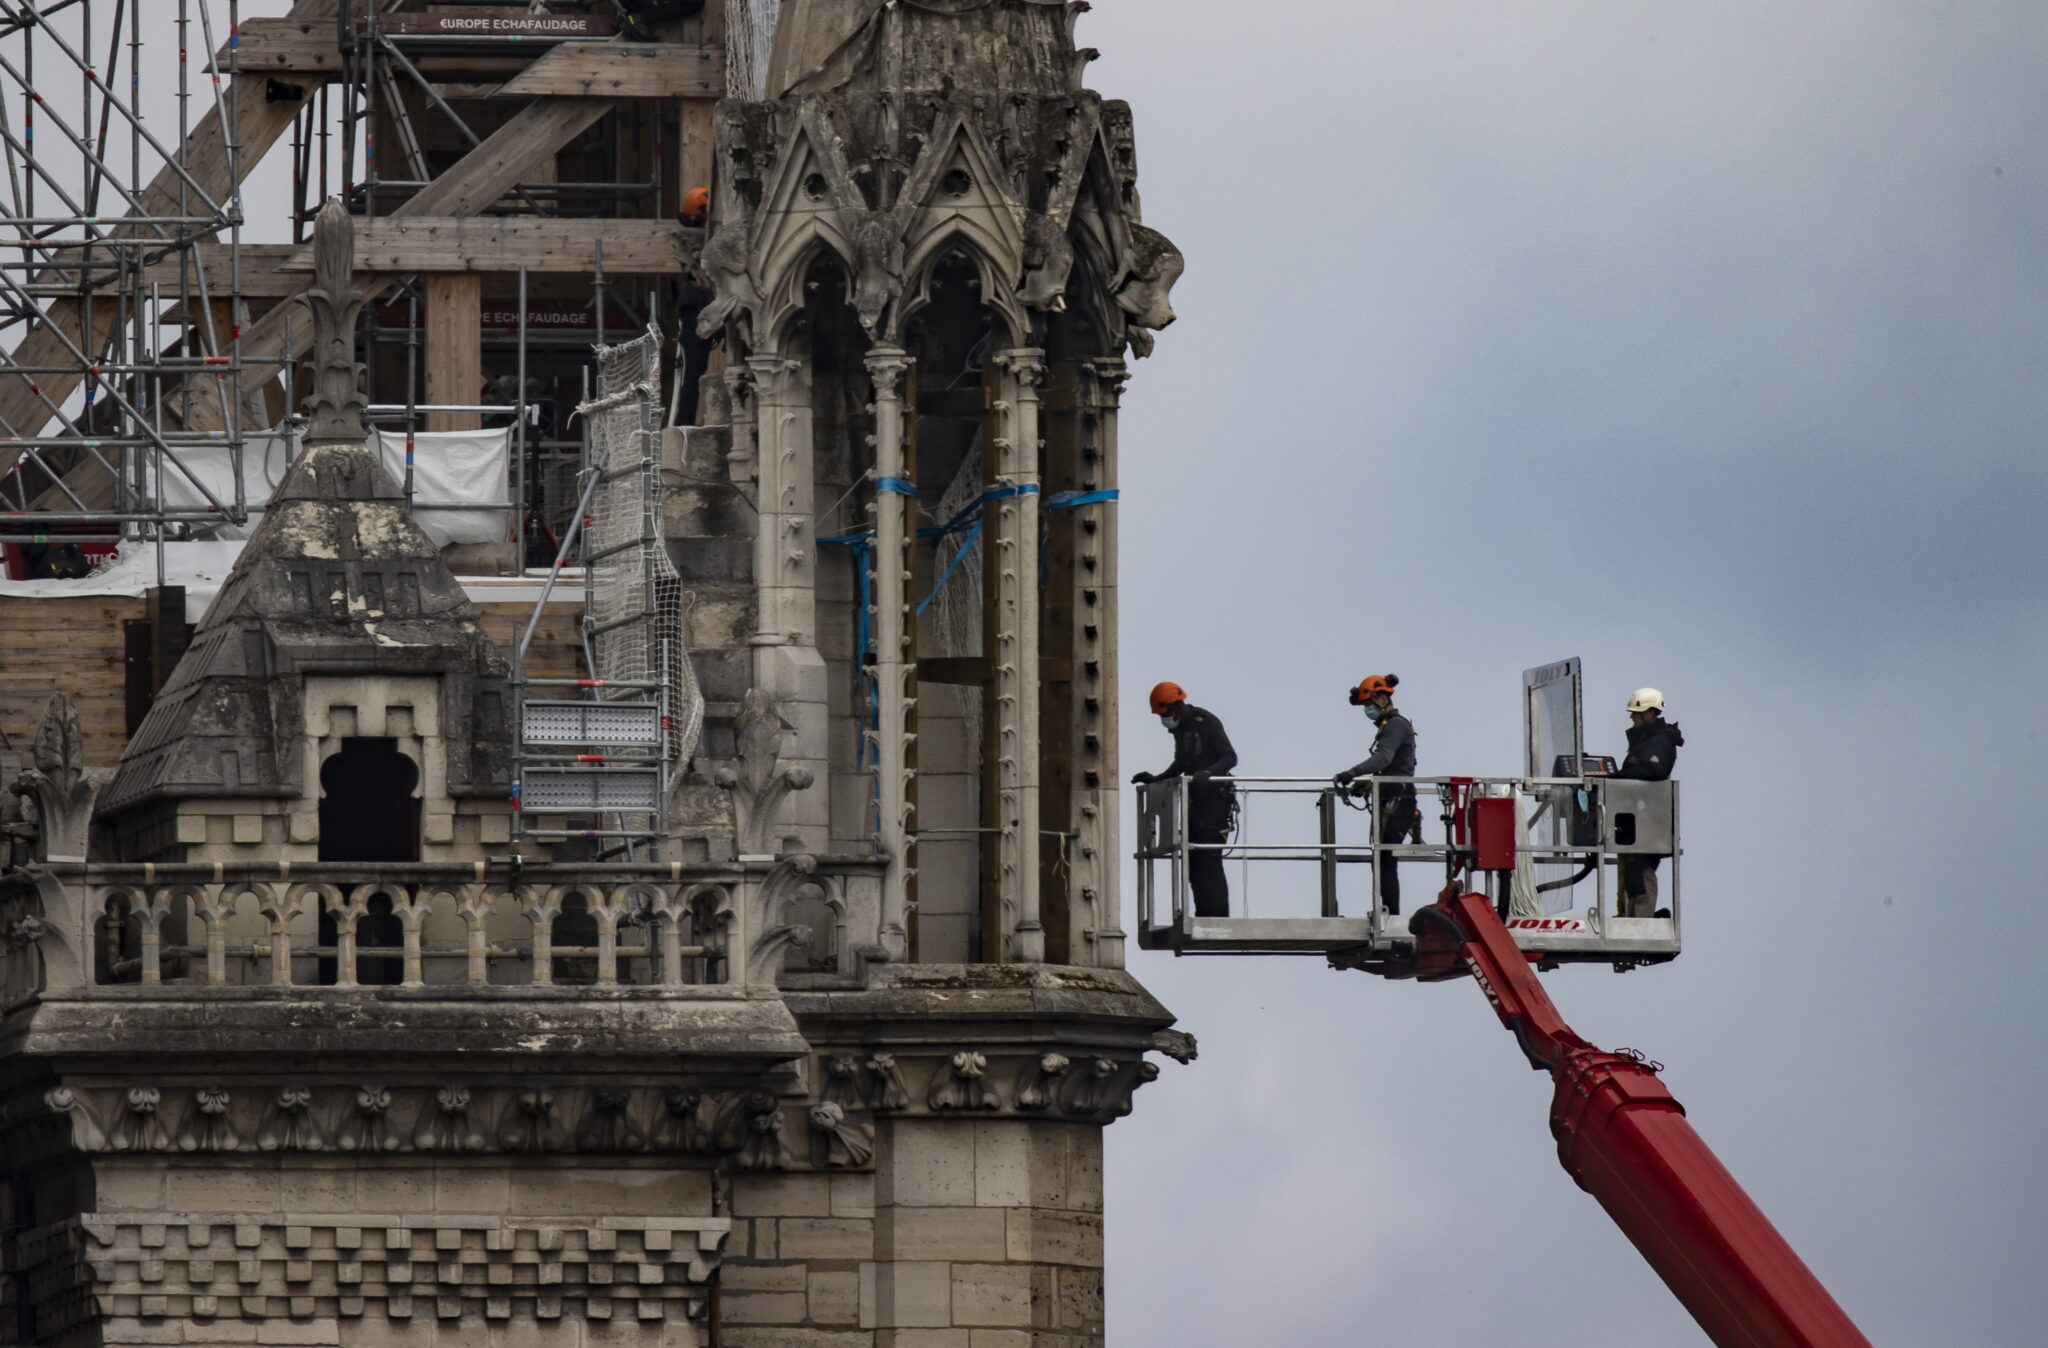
(969, 1233)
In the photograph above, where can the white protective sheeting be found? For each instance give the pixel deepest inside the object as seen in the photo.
(450, 469)
(265, 456)
(200, 567)
(454, 468)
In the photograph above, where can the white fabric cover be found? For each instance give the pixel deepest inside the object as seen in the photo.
(450, 468)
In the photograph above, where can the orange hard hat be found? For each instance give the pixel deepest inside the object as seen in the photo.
(1373, 683)
(696, 203)
(1165, 695)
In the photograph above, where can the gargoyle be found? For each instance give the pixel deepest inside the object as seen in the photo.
(1154, 265)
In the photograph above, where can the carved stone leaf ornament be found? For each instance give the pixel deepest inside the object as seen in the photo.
(764, 1148)
(139, 1128)
(843, 1141)
(207, 1126)
(963, 1083)
(758, 781)
(447, 1124)
(336, 403)
(1039, 1080)
(289, 1125)
(886, 1091)
(59, 786)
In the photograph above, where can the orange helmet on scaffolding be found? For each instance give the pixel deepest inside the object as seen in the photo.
(1164, 695)
(1371, 684)
(697, 205)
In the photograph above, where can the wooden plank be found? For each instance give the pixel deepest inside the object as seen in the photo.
(455, 358)
(637, 70)
(477, 181)
(292, 46)
(471, 244)
(78, 645)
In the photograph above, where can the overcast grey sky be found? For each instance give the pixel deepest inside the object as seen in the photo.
(1705, 342)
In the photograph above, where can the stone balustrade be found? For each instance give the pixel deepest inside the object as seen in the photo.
(332, 927)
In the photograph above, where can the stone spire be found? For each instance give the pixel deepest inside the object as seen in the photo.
(336, 403)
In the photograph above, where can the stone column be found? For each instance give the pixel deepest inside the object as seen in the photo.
(787, 665)
(1015, 557)
(1098, 804)
(895, 506)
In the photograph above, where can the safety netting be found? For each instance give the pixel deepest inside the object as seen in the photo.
(635, 596)
(749, 37)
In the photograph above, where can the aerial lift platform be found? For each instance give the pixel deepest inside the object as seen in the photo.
(1553, 840)
(1508, 845)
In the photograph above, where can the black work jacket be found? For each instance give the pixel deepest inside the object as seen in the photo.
(1200, 744)
(1652, 751)
(1393, 750)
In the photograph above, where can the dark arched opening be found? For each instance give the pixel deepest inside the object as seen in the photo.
(367, 808)
(368, 813)
(575, 925)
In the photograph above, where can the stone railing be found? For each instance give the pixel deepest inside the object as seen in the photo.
(338, 926)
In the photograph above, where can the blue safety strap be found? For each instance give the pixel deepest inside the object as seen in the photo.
(1067, 500)
(897, 485)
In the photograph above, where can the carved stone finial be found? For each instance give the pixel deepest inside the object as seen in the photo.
(336, 404)
(59, 784)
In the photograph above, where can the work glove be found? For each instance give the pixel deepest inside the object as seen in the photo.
(1203, 775)
(1140, 778)
(1345, 778)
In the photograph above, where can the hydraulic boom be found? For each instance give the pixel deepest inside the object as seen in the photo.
(1624, 1137)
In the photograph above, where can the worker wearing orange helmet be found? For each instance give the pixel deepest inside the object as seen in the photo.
(1202, 753)
(1392, 756)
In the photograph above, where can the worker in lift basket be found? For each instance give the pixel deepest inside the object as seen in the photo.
(1202, 752)
(1652, 753)
(1393, 755)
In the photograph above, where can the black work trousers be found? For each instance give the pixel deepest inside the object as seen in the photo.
(1638, 885)
(1397, 821)
(1209, 810)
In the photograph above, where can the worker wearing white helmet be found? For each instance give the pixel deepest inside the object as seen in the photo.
(1652, 754)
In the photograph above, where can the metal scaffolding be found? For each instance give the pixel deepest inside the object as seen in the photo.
(121, 304)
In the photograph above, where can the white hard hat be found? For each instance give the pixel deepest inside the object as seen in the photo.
(1645, 699)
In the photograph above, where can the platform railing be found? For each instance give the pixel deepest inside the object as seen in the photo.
(1574, 831)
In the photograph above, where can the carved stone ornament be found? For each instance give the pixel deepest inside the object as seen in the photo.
(842, 1141)
(207, 1125)
(336, 403)
(1037, 190)
(758, 782)
(289, 1124)
(764, 1148)
(886, 1090)
(59, 786)
(773, 933)
(1040, 1079)
(963, 1083)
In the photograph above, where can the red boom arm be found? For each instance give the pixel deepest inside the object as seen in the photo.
(1623, 1136)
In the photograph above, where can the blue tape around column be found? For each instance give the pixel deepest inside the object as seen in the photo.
(897, 485)
(1067, 500)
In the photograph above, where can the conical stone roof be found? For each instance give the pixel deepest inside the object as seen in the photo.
(336, 580)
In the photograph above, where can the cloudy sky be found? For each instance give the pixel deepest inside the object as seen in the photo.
(1705, 342)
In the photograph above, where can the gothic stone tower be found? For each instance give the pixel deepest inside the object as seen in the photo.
(294, 1048)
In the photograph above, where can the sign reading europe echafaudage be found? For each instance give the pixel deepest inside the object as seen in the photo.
(498, 25)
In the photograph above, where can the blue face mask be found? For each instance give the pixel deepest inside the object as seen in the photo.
(1170, 722)
(1373, 713)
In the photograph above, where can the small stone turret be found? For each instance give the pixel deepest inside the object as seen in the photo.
(340, 620)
